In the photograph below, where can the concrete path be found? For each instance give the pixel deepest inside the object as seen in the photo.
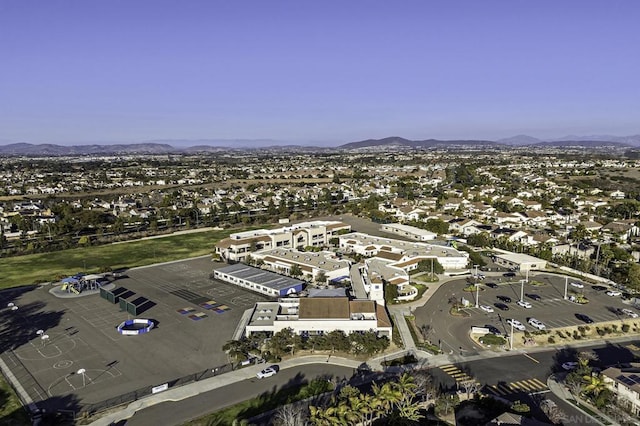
(196, 388)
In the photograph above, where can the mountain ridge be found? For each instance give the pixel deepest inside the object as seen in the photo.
(186, 146)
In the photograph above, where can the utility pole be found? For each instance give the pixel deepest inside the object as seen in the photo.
(477, 295)
(566, 282)
(522, 290)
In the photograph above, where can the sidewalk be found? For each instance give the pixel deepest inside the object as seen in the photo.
(196, 388)
(561, 392)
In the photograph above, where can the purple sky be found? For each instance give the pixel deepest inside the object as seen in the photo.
(316, 71)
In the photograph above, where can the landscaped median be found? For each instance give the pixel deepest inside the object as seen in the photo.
(573, 334)
(558, 336)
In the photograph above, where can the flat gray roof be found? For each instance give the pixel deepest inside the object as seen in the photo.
(259, 276)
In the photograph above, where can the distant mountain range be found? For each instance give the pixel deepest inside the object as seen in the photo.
(394, 142)
(633, 140)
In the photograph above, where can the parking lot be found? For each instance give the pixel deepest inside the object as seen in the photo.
(547, 305)
(194, 315)
(547, 302)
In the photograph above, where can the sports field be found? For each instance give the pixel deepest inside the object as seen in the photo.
(45, 267)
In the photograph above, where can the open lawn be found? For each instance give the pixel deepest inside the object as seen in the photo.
(44, 267)
(11, 411)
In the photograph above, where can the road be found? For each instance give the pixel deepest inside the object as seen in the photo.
(513, 377)
(524, 377)
(178, 412)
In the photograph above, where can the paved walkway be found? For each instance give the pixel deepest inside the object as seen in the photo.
(196, 388)
(559, 390)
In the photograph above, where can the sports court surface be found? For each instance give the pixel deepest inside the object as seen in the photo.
(66, 352)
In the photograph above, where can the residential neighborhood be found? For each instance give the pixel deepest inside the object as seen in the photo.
(424, 259)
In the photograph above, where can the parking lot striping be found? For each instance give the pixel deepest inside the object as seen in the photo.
(532, 359)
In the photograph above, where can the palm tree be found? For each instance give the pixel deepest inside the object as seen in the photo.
(387, 395)
(321, 416)
(594, 384)
(235, 349)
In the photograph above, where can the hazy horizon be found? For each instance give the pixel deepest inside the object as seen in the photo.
(316, 73)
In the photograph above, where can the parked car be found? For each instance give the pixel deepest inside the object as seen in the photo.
(267, 372)
(577, 285)
(504, 299)
(533, 296)
(537, 324)
(614, 293)
(501, 306)
(584, 318)
(493, 329)
(630, 313)
(524, 304)
(571, 365)
(598, 287)
(492, 285)
(486, 308)
(509, 274)
(516, 324)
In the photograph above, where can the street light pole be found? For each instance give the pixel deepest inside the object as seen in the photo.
(566, 282)
(521, 290)
(477, 295)
(511, 337)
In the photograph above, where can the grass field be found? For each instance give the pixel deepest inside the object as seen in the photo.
(11, 411)
(44, 267)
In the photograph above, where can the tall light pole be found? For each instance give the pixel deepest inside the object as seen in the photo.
(522, 290)
(477, 287)
(566, 282)
(527, 277)
(511, 337)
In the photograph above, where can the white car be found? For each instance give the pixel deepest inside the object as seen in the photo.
(486, 308)
(537, 324)
(577, 285)
(516, 324)
(630, 313)
(571, 365)
(614, 293)
(524, 304)
(267, 372)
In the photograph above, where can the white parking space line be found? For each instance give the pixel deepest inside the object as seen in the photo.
(600, 318)
(557, 323)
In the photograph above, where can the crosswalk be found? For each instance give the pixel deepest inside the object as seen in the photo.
(458, 375)
(526, 386)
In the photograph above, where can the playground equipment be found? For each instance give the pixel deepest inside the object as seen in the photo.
(80, 282)
(135, 326)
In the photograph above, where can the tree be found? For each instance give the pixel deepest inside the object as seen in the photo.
(426, 389)
(321, 278)
(594, 384)
(289, 415)
(338, 341)
(470, 386)
(235, 350)
(445, 404)
(634, 276)
(387, 395)
(295, 271)
(390, 292)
